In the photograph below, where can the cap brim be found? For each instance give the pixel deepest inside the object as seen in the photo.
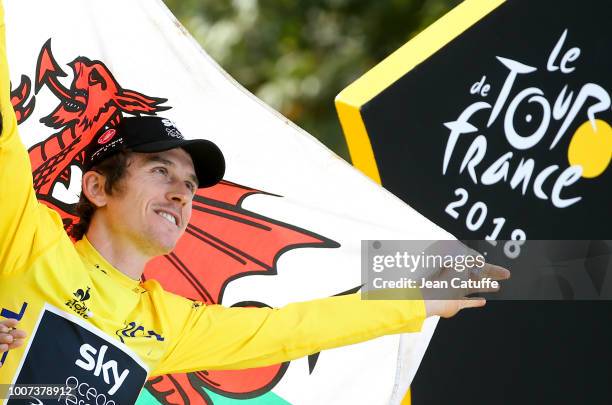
(208, 160)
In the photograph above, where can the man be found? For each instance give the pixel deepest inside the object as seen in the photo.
(75, 299)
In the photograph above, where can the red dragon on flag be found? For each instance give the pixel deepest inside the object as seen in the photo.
(222, 242)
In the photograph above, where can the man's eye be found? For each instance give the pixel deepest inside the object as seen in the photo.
(161, 170)
(191, 186)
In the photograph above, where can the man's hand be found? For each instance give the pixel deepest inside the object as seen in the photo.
(10, 337)
(447, 308)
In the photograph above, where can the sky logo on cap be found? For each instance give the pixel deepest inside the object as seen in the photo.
(106, 136)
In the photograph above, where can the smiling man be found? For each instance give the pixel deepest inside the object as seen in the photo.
(74, 299)
(139, 182)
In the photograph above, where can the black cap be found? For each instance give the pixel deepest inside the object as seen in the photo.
(156, 134)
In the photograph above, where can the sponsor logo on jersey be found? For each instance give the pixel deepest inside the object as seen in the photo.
(78, 304)
(134, 330)
(92, 359)
(93, 368)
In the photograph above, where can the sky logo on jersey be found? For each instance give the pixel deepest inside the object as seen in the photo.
(77, 304)
(66, 350)
(108, 369)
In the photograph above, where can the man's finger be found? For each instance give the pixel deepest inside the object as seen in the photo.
(9, 322)
(3, 347)
(18, 334)
(497, 272)
(6, 338)
(16, 343)
(493, 272)
(473, 303)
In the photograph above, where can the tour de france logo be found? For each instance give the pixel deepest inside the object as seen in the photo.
(589, 149)
(78, 304)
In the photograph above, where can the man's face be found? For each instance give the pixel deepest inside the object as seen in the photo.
(153, 204)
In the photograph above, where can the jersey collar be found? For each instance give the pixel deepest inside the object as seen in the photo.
(90, 255)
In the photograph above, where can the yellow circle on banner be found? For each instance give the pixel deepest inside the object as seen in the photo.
(591, 148)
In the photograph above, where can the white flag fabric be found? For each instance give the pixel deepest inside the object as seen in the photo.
(102, 59)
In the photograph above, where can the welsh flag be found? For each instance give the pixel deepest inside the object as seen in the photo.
(285, 225)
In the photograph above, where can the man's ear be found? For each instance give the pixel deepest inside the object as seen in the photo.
(93, 188)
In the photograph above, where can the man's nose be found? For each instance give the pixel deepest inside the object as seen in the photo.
(180, 193)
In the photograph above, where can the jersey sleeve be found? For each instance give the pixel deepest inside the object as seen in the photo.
(20, 213)
(214, 337)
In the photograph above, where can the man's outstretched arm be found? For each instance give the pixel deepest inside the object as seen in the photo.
(215, 337)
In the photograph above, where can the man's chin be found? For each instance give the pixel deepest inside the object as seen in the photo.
(167, 249)
(162, 243)
(162, 248)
